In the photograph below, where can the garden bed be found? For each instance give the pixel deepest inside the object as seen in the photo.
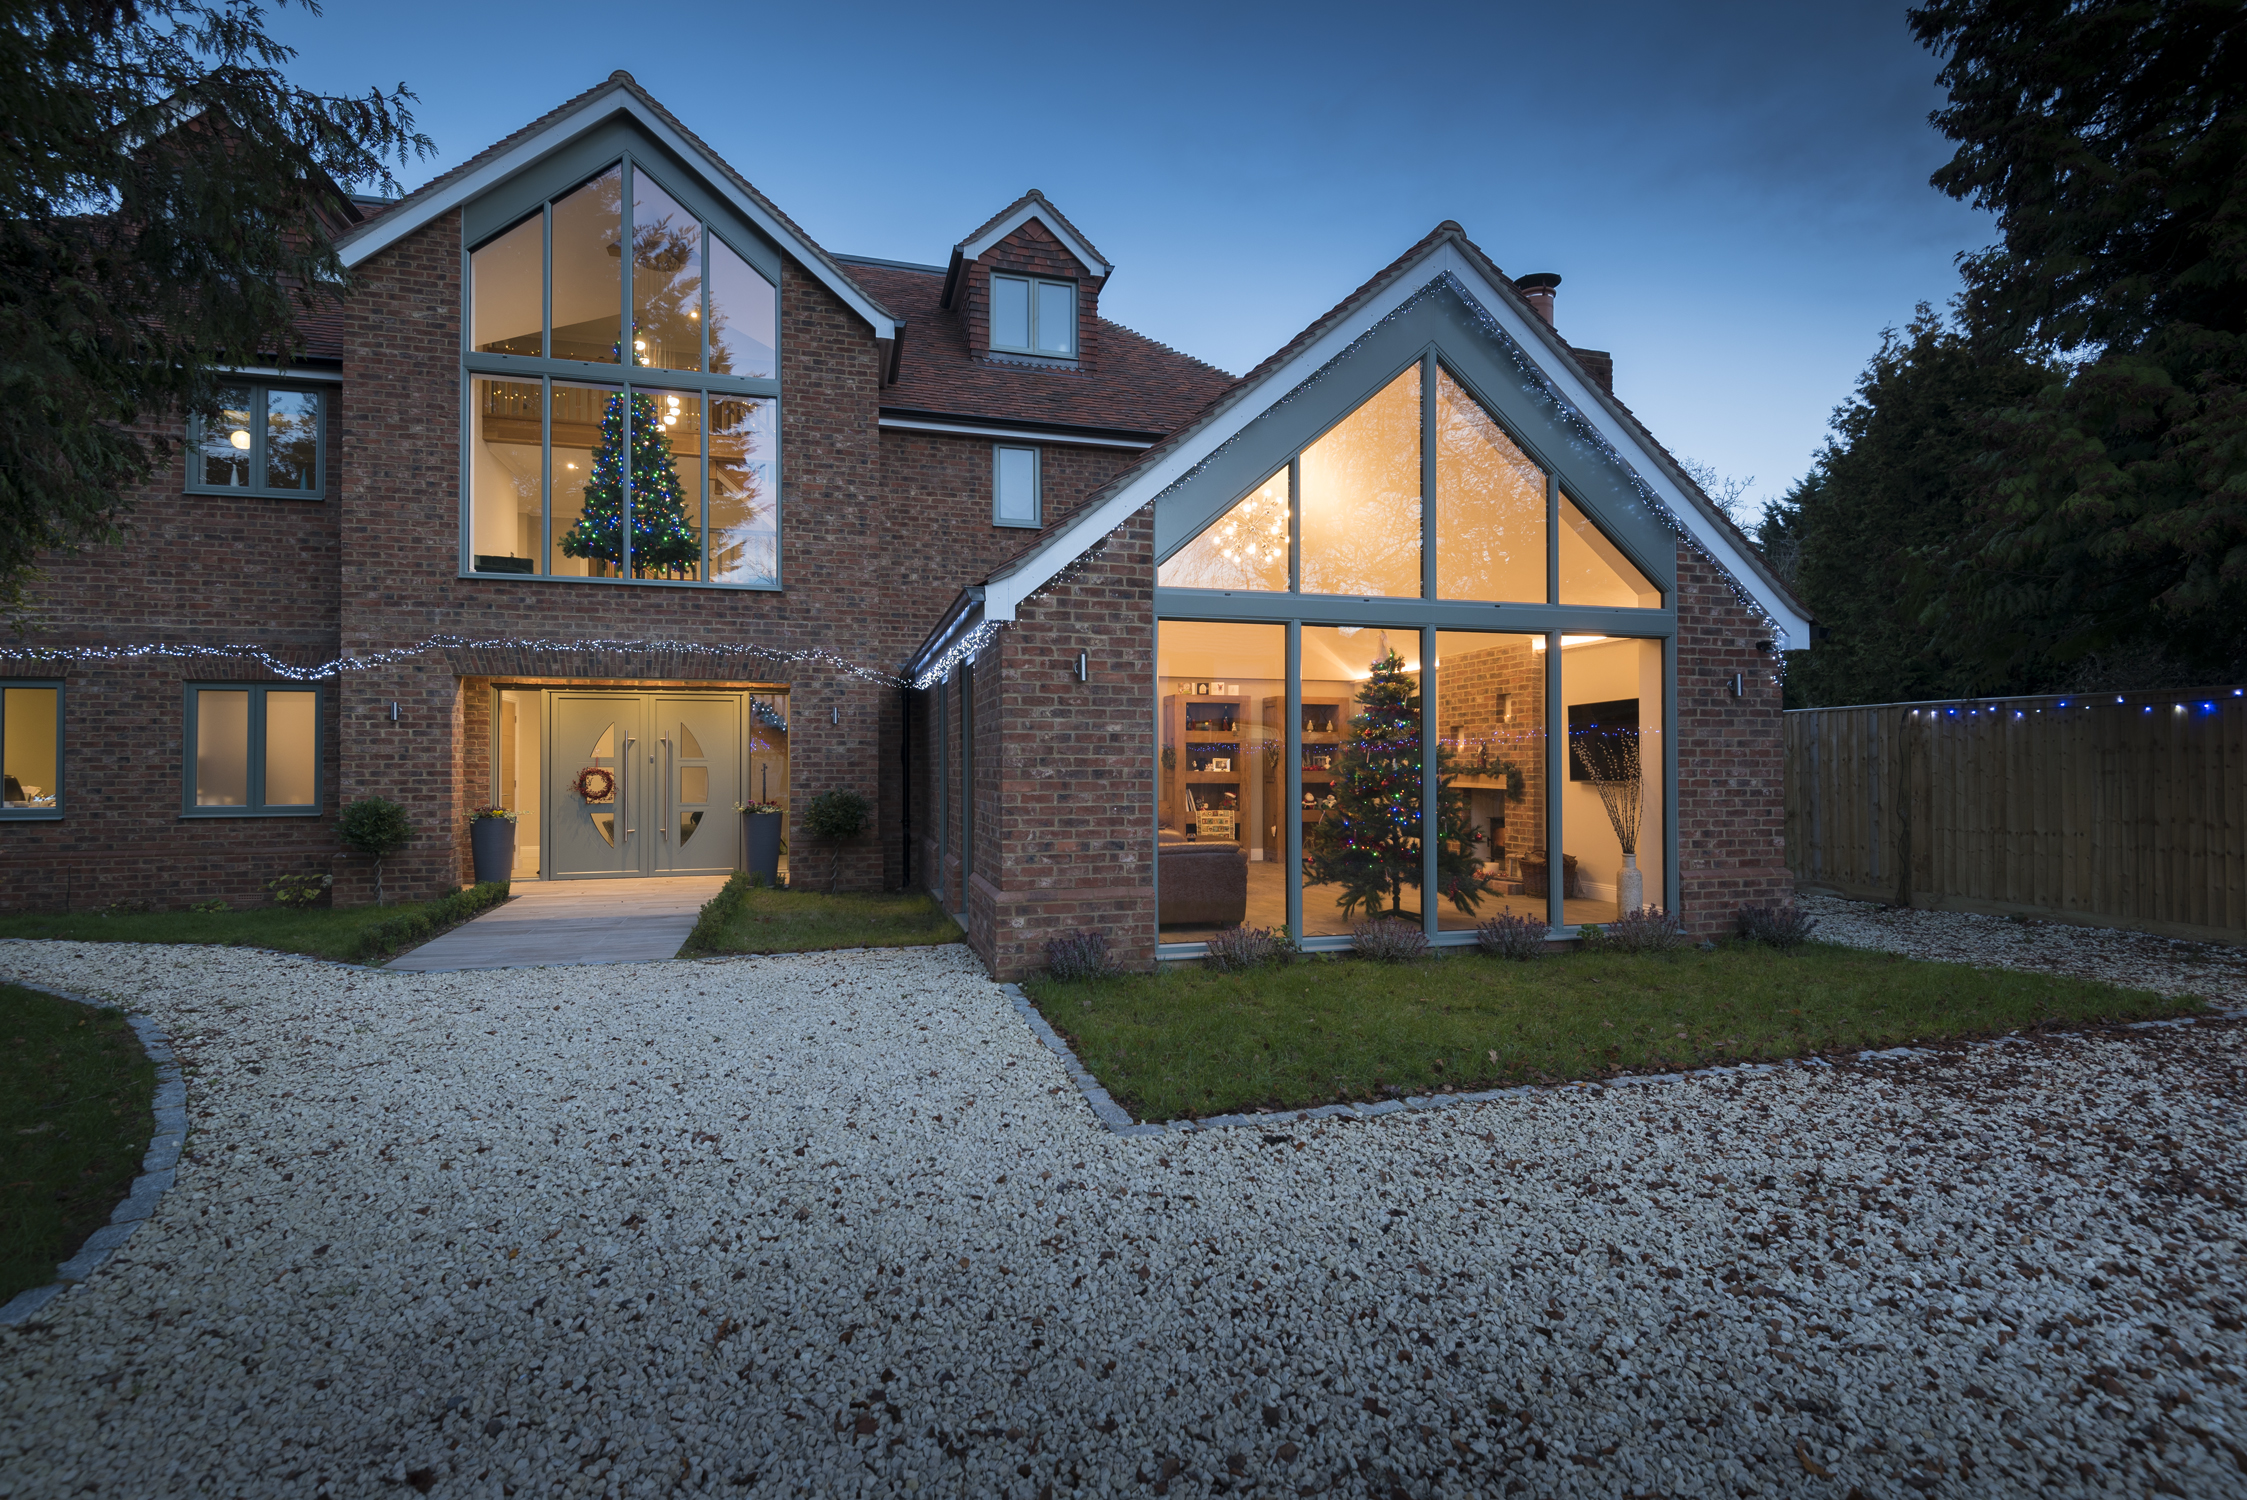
(75, 1090)
(749, 918)
(356, 934)
(1187, 1041)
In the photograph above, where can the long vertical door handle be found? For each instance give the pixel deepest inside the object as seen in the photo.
(669, 792)
(625, 790)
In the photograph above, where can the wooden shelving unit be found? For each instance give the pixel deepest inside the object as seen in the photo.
(1326, 727)
(1206, 733)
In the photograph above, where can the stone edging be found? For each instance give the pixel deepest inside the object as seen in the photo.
(157, 1168)
(1118, 1119)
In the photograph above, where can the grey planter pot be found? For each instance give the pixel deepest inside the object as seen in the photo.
(760, 843)
(493, 840)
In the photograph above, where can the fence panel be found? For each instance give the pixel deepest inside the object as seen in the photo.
(2110, 809)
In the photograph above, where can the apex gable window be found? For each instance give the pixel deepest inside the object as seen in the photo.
(1015, 500)
(623, 393)
(267, 440)
(30, 750)
(1033, 316)
(253, 750)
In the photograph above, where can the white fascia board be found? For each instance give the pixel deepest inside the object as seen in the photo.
(1004, 594)
(1059, 439)
(973, 249)
(389, 228)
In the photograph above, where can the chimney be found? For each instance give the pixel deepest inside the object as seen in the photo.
(1537, 289)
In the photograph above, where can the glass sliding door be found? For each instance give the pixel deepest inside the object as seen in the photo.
(1490, 729)
(1613, 818)
(1221, 782)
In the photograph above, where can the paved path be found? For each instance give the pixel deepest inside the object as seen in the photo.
(572, 922)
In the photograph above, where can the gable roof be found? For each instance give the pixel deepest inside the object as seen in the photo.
(618, 95)
(1445, 251)
(1031, 205)
(1136, 388)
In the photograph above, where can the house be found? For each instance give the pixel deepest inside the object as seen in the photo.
(606, 467)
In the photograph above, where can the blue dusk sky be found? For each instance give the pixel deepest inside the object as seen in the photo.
(1734, 194)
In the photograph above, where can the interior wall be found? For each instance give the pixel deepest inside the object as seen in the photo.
(1601, 673)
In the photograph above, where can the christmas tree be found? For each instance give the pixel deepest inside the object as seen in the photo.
(1369, 842)
(664, 541)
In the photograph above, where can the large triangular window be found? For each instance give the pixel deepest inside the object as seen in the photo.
(1344, 516)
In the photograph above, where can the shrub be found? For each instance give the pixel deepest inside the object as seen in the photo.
(835, 818)
(1783, 926)
(385, 938)
(1239, 949)
(376, 826)
(1647, 930)
(1390, 940)
(1510, 936)
(1078, 955)
(299, 891)
(719, 911)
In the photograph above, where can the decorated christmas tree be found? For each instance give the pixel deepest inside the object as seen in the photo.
(1369, 841)
(664, 543)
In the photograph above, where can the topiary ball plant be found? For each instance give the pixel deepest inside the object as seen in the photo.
(375, 826)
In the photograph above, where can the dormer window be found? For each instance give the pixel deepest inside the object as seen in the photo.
(1032, 316)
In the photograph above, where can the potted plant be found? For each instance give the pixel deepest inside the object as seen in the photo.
(761, 840)
(491, 836)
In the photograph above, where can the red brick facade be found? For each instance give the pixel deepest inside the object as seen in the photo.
(886, 516)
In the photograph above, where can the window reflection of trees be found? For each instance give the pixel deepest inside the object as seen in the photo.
(1490, 505)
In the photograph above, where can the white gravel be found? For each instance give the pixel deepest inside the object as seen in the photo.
(837, 1225)
(2167, 966)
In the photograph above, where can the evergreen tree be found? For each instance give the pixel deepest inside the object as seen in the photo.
(1369, 841)
(664, 542)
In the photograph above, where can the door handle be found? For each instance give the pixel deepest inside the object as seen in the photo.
(667, 799)
(624, 763)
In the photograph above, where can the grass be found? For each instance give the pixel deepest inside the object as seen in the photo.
(75, 1090)
(748, 918)
(357, 934)
(1191, 1042)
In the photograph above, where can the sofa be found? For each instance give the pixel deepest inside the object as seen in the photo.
(1201, 884)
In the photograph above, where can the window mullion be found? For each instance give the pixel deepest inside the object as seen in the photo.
(1552, 537)
(1431, 825)
(1295, 525)
(546, 476)
(546, 281)
(1427, 477)
(625, 350)
(1291, 817)
(253, 762)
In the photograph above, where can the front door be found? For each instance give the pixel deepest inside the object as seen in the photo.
(598, 775)
(698, 751)
(644, 784)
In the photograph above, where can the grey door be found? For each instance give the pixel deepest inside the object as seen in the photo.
(697, 742)
(601, 835)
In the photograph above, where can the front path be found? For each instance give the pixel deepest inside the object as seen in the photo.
(836, 1224)
(572, 922)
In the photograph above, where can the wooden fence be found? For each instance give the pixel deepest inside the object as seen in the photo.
(2114, 810)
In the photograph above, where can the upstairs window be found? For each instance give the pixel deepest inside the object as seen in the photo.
(623, 411)
(268, 440)
(1014, 487)
(1029, 316)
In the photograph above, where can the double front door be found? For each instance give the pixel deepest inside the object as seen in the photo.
(644, 784)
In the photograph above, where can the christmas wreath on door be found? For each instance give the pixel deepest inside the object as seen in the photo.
(595, 784)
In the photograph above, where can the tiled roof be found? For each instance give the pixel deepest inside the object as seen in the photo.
(1047, 208)
(1133, 384)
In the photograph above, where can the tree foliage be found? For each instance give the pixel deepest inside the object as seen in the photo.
(835, 818)
(2108, 510)
(167, 200)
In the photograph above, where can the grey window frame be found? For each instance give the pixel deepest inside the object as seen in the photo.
(258, 387)
(1426, 615)
(257, 807)
(604, 151)
(62, 775)
(1037, 486)
(1031, 350)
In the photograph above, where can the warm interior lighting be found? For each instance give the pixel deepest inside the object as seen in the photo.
(240, 439)
(1537, 643)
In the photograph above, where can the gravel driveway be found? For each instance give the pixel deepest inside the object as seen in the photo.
(836, 1225)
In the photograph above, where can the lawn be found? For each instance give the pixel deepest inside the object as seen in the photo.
(1186, 1041)
(356, 934)
(746, 918)
(75, 1090)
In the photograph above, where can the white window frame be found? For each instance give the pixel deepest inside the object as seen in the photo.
(1031, 285)
(1037, 486)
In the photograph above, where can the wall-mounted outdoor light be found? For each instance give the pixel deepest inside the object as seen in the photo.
(1084, 667)
(1738, 685)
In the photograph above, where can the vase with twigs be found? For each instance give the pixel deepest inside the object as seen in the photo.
(1610, 759)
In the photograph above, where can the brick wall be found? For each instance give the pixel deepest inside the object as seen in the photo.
(1730, 815)
(1067, 766)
